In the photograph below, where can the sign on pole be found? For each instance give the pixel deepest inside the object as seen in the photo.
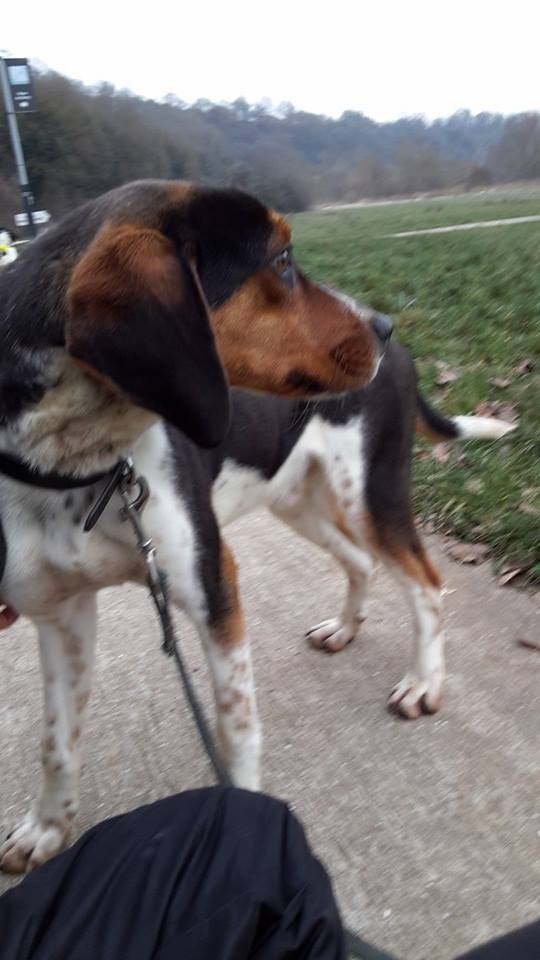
(38, 216)
(20, 82)
(16, 85)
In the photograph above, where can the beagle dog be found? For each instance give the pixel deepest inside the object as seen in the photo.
(338, 472)
(122, 328)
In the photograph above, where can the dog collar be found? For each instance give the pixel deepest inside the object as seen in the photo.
(20, 470)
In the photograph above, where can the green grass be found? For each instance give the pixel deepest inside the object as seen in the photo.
(471, 299)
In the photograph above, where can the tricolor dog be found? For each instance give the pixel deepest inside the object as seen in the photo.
(337, 471)
(121, 330)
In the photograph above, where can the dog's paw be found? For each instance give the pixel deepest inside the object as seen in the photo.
(412, 697)
(31, 844)
(332, 635)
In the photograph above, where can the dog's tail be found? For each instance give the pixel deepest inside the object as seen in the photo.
(433, 426)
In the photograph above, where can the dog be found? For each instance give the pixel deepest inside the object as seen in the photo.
(338, 472)
(122, 328)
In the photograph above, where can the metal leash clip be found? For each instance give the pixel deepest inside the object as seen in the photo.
(155, 578)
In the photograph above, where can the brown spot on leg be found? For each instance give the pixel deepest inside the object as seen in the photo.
(416, 564)
(397, 540)
(341, 522)
(71, 643)
(230, 628)
(78, 666)
(81, 701)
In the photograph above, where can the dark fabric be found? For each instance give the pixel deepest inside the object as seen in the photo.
(216, 874)
(523, 944)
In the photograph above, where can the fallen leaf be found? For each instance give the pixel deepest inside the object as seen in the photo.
(500, 382)
(511, 573)
(494, 408)
(478, 530)
(489, 408)
(474, 485)
(529, 509)
(441, 452)
(446, 374)
(525, 366)
(468, 552)
(508, 411)
(528, 644)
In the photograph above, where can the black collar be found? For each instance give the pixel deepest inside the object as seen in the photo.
(20, 470)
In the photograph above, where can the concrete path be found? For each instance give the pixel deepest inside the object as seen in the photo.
(475, 225)
(431, 829)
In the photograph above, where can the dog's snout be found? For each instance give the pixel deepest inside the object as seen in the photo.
(382, 327)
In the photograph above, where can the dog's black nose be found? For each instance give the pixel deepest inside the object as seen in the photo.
(382, 326)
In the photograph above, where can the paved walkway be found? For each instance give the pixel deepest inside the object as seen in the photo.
(431, 829)
(507, 221)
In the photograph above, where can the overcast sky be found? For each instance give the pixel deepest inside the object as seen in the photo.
(386, 59)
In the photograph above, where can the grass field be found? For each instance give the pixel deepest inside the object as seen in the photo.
(471, 299)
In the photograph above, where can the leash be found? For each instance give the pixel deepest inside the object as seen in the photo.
(134, 492)
(157, 584)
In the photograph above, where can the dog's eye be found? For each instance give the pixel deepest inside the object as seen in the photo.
(282, 264)
(283, 259)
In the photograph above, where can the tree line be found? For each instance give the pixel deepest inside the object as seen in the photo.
(82, 141)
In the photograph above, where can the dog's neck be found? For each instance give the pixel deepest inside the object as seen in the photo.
(78, 427)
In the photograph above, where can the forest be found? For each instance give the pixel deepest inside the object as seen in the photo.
(83, 141)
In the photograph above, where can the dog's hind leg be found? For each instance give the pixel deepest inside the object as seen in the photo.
(420, 691)
(332, 535)
(66, 643)
(400, 547)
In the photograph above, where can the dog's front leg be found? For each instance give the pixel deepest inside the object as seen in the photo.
(66, 643)
(220, 623)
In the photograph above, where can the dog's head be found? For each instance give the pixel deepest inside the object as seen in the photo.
(180, 282)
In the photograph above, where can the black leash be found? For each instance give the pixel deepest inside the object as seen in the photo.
(157, 585)
(125, 480)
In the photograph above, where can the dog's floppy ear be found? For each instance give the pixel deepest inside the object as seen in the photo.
(138, 320)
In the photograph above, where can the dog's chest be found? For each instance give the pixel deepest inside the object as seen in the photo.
(51, 557)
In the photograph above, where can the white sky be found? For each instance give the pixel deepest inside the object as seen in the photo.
(386, 59)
